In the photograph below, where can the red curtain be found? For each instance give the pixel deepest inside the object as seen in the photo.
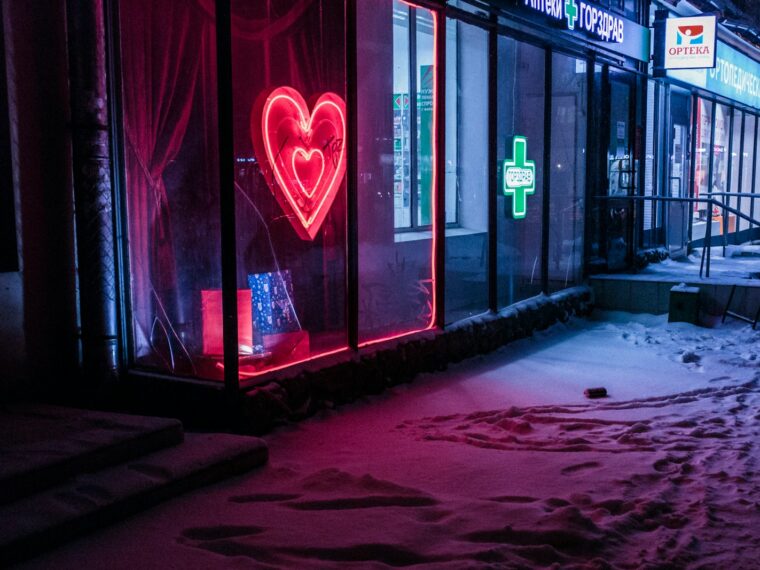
(164, 46)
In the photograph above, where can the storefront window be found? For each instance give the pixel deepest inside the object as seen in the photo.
(567, 171)
(170, 151)
(8, 245)
(412, 148)
(736, 154)
(702, 167)
(396, 268)
(290, 122)
(520, 117)
(720, 149)
(748, 174)
(466, 170)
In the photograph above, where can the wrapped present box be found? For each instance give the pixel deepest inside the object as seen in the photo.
(211, 312)
(272, 301)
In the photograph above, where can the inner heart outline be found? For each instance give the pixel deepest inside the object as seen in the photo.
(309, 206)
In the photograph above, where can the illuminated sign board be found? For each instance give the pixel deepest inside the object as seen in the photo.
(690, 43)
(601, 25)
(735, 76)
(519, 177)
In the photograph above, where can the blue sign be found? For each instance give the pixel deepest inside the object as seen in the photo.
(605, 28)
(735, 76)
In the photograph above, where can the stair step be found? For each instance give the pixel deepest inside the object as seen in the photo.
(90, 500)
(43, 445)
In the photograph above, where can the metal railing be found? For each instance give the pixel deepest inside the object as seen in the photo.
(711, 202)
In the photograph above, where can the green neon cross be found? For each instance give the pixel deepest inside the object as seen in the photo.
(571, 13)
(519, 177)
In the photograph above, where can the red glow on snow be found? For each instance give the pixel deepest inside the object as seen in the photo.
(213, 330)
(434, 193)
(306, 153)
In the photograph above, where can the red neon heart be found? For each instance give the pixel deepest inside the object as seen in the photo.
(305, 154)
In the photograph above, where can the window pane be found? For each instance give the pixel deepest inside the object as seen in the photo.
(169, 100)
(650, 209)
(702, 167)
(466, 170)
(720, 156)
(290, 158)
(395, 269)
(425, 57)
(748, 156)
(567, 172)
(520, 112)
(736, 153)
(402, 169)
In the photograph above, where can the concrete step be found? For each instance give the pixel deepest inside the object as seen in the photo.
(91, 500)
(43, 445)
(651, 294)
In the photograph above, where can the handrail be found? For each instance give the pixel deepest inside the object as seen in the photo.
(708, 230)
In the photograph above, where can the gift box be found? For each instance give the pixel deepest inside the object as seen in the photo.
(211, 313)
(272, 300)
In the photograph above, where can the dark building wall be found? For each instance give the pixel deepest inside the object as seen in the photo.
(38, 303)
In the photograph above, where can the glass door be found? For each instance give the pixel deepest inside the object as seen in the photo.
(678, 165)
(618, 99)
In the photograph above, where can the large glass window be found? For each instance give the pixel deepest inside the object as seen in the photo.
(520, 139)
(466, 170)
(736, 174)
(8, 251)
(567, 171)
(290, 122)
(748, 174)
(168, 93)
(413, 56)
(720, 160)
(702, 166)
(396, 269)
(720, 149)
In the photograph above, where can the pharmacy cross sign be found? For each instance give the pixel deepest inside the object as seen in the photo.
(571, 13)
(519, 177)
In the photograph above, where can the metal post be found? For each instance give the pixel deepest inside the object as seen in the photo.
(227, 200)
(352, 182)
(547, 172)
(93, 192)
(494, 169)
(440, 172)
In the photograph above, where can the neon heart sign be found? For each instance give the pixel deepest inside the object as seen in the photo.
(305, 154)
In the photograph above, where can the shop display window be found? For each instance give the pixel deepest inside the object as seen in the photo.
(290, 147)
(567, 171)
(703, 151)
(467, 171)
(520, 115)
(168, 64)
(748, 173)
(396, 165)
(736, 173)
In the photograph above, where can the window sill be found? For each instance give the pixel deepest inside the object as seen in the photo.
(400, 237)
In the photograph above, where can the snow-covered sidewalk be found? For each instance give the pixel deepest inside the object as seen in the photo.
(500, 462)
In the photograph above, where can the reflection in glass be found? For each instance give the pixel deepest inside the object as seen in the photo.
(168, 66)
(466, 170)
(396, 268)
(520, 112)
(567, 171)
(288, 86)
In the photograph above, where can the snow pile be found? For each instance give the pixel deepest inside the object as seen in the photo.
(498, 463)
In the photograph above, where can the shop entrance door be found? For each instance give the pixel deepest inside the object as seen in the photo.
(619, 98)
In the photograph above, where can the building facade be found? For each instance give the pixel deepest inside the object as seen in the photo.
(214, 192)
